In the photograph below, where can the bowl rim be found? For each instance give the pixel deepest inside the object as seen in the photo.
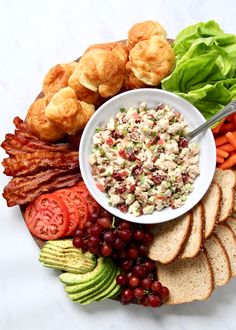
(113, 210)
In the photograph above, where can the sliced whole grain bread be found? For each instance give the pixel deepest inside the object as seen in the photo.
(169, 238)
(212, 203)
(231, 222)
(219, 260)
(227, 181)
(195, 240)
(228, 239)
(187, 279)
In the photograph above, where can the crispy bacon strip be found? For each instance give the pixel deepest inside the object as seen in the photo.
(36, 166)
(20, 191)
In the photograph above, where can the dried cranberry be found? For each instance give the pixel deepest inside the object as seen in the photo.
(157, 178)
(160, 106)
(137, 121)
(116, 175)
(132, 188)
(131, 156)
(121, 189)
(116, 135)
(137, 171)
(185, 178)
(122, 153)
(183, 143)
(123, 208)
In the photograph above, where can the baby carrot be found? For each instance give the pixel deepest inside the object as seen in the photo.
(218, 127)
(227, 127)
(220, 140)
(220, 160)
(231, 161)
(227, 147)
(231, 139)
(221, 153)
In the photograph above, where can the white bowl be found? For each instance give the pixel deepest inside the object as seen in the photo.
(152, 97)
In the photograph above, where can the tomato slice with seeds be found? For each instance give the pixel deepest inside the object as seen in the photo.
(66, 196)
(47, 217)
(93, 206)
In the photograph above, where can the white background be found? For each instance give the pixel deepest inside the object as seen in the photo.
(35, 35)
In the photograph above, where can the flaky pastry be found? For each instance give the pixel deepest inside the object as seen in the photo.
(102, 70)
(83, 93)
(65, 111)
(152, 60)
(143, 31)
(39, 124)
(130, 81)
(57, 77)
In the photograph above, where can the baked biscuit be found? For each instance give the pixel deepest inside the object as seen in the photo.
(65, 111)
(152, 60)
(102, 70)
(39, 124)
(57, 77)
(143, 31)
(130, 81)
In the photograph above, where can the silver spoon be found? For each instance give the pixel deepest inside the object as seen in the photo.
(228, 110)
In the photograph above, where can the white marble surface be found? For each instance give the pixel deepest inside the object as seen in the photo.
(35, 35)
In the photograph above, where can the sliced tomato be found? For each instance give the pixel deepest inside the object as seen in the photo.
(93, 206)
(81, 206)
(66, 195)
(47, 217)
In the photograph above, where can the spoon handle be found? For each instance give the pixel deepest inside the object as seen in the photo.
(226, 111)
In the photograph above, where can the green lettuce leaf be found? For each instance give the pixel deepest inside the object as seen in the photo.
(205, 71)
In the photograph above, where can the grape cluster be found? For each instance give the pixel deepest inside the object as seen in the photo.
(127, 244)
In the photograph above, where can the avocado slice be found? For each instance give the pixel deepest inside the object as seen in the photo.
(84, 286)
(113, 293)
(72, 279)
(62, 243)
(101, 293)
(95, 288)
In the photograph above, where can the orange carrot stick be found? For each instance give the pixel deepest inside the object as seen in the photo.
(218, 127)
(221, 153)
(220, 160)
(231, 139)
(231, 161)
(226, 147)
(220, 140)
(227, 127)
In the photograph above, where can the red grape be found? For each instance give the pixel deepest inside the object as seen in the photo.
(118, 244)
(149, 265)
(139, 270)
(138, 293)
(154, 301)
(164, 292)
(106, 250)
(144, 301)
(126, 265)
(93, 250)
(122, 279)
(146, 283)
(109, 236)
(79, 232)
(132, 252)
(127, 295)
(139, 235)
(148, 237)
(104, 222)
(134, 281)
(156, 287)
(125, 225)
(96, 230)
(78, 242)
(93, 241)
(143, 250)
(125, 235)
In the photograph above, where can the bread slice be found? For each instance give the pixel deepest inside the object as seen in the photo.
(228, 239)
(212, 203)
(195, 240)
(187, 279)
(169, 238)
(231, 222)
(227, 181)
(219, 260)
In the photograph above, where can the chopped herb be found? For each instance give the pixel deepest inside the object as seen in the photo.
(124, 131)
(122, 110)
(98, 129)
(154, 133)
(102, 152)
